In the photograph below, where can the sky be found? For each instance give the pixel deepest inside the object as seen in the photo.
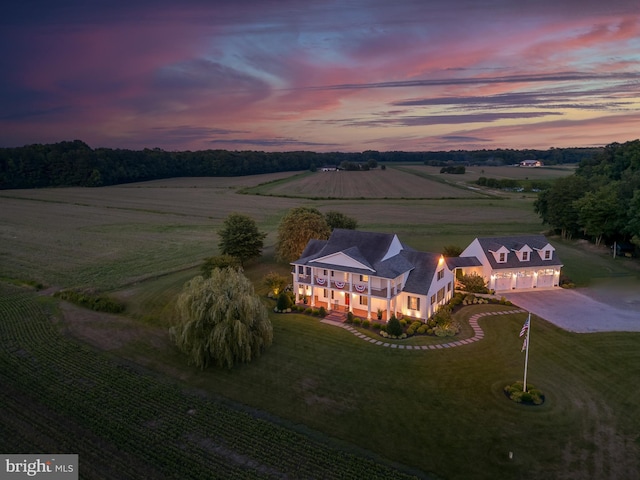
(320, 75)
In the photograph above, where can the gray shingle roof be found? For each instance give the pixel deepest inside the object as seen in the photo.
(312, 248)
(458, 262)
(536, 242)
(368, 248)
(425, 264)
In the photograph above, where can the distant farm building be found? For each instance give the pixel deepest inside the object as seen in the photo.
(531, 163)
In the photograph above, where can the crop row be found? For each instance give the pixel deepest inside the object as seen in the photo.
(151, 419)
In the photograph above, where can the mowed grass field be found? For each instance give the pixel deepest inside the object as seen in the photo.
(474, 172)
(320, 396)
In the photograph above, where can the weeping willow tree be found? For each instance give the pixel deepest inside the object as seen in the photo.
(220, 320)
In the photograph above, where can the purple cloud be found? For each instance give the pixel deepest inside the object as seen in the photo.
(278, 75)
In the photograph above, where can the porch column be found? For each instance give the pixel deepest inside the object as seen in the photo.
(368, 297)
(388, 299)
(313, 298)
(350, 290)
(424, 310)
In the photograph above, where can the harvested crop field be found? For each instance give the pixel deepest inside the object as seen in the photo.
(378, 183)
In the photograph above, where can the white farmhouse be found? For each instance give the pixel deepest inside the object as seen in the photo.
(370, 273)
(364, 272)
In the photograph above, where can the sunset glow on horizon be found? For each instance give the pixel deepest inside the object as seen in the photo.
(360, 75)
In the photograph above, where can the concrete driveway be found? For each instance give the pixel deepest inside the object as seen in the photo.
(576, 311)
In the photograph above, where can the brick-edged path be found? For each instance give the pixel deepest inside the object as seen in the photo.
(478, 334)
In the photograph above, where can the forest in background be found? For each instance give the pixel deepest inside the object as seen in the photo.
(600, 201)
(74, 163)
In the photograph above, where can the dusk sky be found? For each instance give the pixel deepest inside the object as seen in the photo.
(322, 75)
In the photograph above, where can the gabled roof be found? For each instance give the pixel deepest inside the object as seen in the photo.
(366, 248)
(425, 266)
(312, 248)
(536, 242)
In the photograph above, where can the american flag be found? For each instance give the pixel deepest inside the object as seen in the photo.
(525, 327)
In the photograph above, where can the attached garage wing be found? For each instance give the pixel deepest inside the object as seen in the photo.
(524, 279)
(503, 281)
(545, 277)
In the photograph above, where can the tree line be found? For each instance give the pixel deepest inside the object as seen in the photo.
(74, 163)
(601, 200)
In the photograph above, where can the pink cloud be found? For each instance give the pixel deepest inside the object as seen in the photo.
(303, 75)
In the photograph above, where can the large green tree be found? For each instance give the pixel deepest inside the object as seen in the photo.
(556, 205)
(296, 228)
(337, 219)
(601, 213)
(633, 226)
(219, 261)
(240, 237)
(220, 320)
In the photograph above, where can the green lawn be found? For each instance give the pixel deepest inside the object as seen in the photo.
(449, 403)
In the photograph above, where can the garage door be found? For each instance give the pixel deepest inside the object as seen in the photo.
(545, 277)
(503, 281)
(524, 279)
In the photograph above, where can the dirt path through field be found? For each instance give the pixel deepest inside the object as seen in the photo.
(107, 331)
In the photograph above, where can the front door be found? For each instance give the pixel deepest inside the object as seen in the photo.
(347, 300)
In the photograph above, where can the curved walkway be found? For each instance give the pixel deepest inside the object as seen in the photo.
(478, 334)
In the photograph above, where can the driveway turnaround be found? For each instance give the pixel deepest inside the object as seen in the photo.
(577, 312)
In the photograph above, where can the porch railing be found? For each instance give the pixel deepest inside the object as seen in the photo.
(346, 286)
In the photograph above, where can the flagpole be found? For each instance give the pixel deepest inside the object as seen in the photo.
(526, 355)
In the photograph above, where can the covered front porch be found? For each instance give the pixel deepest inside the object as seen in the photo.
(358, 312)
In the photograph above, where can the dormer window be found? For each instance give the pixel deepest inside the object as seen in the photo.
(525, 256)
(500, 254)
(547, 254)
